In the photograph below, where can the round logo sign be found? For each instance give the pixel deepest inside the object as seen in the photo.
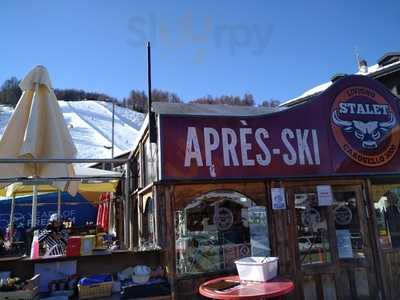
(365, 126)
(343, 215)
(223, 218)
(310, 217)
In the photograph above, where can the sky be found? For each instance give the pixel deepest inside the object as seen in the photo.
(271, 49)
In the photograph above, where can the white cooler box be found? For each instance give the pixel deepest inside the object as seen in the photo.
(257, 268)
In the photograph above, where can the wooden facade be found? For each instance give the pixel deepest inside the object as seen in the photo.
(370, 272)
(372, 277)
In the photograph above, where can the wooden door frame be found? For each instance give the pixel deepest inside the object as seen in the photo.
(315, 271)
(367, 228)
(384, 290)
(367, 235)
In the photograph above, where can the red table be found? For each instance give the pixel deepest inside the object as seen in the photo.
(248, 290)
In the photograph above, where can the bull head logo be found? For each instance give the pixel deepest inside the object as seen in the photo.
(369, 133)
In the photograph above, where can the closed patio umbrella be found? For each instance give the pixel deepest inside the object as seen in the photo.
(37, 130)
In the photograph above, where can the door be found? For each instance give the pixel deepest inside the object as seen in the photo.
(333, 252)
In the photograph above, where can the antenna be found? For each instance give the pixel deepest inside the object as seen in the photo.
(356, 53)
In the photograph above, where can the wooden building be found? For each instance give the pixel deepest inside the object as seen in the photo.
(316, 184)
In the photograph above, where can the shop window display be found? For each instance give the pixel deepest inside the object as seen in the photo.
(218, 228)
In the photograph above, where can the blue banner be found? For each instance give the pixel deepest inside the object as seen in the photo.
(77, 209)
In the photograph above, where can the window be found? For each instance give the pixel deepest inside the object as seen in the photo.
(349, 238)
(312, 229)
(150, 162)
(387, 211)
(218, 228)
(135, 173)
(147, 239)
(318, 224)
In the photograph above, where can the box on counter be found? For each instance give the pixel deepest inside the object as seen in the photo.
(255, 268)
(74, 246)
(88, 242)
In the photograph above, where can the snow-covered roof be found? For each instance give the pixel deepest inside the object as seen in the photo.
(373, 71)
(210, 109)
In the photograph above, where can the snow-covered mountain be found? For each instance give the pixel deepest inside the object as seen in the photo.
(90, 124)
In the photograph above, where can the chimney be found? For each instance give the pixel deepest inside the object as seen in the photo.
(363, 66)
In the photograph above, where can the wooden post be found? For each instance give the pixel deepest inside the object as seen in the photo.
(377, 254)
(171, 252)
(59, 202)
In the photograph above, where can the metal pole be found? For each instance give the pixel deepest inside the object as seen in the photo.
(12, 213)
(59, 202)
(34, 206)
(112, 132)
(127, 208)
(62, 160)
(149, 78)
(151, 115)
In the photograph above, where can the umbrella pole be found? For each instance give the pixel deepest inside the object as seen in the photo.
(59, 202)
(12, 213)
(34, 207)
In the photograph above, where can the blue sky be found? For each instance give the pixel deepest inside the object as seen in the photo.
(272, 49)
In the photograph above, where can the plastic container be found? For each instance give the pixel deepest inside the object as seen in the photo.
(88, 242)
(257, 268)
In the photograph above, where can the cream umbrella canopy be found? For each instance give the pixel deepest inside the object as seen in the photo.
(37, 130)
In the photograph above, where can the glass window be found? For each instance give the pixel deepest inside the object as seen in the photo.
(135, 173)
(387, 211)
(312, 229)
(148, 223)
(150, 162)
(347, 225)
(218, 228)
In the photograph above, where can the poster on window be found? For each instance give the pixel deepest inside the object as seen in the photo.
(258, 226)
(325, 196)
(343, 238)
(278, 198)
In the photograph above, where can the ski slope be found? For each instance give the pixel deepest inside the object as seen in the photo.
(90, 125)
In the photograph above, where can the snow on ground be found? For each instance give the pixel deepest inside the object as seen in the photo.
(5, 114)
(90, 125)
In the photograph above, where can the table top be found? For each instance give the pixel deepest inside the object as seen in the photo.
(248, 290)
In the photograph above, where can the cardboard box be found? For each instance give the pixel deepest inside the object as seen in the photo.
(74, 246)
(31, 291)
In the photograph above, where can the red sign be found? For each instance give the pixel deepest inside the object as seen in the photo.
(350, 128)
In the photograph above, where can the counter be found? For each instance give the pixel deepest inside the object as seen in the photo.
(86, 265)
